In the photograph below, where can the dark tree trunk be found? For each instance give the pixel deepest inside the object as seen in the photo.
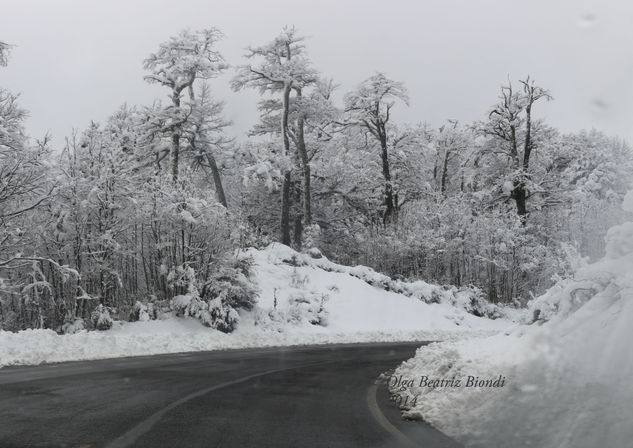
(445, 173)
(519, 194)
(388, 216)
(305, 162)
(175, 155)
(217, 180)
(285, 210)
(175, 141)
(527, 148)
(298, 232)
(285, 194)
(297, 236)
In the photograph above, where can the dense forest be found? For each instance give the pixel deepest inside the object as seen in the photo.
(157, 200)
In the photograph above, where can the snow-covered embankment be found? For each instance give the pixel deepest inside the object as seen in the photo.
(302, 300)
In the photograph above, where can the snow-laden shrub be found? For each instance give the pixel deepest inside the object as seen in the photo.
(314, 253)
(220, 316)
(311, 238)
(232, 285)
(143, 312)
(181, 304)
(307, 307)
(248, 235)
(73, 325)
(181, 278)
(100, 317)
(303, 307)
(212, 313)
(473, 301)
(217, 301)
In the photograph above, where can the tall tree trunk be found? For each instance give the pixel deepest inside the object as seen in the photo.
(445, 172)
(285, 193)
(175, 154)
(175, 141)
(305, 162)
(388, 217)
(217, 180)
(527, 148)
(519, 194)
(215, 173)
(298, 225)
(285, 209)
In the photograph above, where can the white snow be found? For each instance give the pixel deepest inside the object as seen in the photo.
(568, 374)
(291, 297)
(627, 204)
(353, 304)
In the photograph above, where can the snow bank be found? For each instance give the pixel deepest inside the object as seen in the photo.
(568, 374)
(467, 298)
(302, 300)
(172, 335)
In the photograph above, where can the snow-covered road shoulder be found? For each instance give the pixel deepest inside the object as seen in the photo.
(568, 372)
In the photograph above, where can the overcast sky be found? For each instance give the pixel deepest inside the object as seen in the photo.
(78, 60)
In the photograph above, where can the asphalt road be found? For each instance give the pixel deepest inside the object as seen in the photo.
(324, 396)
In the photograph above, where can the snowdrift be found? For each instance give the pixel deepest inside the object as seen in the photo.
(302, 299)
(568, 372)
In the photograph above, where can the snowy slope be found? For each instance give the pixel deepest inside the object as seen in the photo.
(302, 300)
(568, 374)
(352, 303)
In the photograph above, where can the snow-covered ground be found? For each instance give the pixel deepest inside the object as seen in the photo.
(568, 374)
(302, 300)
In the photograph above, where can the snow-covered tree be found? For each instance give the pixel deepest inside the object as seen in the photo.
(369, 106)
(591, 173)
(283, 67)
(97, 231)
(25, 190)
(4, 53)
(311, 118)
(451, 144)
(22, 186)
(510, 122)
(177, 64)
(206, 137)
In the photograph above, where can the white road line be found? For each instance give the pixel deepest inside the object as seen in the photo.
(133, 434)
(383, 421)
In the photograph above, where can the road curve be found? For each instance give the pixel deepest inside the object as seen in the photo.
(320, 396)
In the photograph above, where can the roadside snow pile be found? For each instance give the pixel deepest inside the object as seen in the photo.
(171, 335)
(301, 300)
(568, 374)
